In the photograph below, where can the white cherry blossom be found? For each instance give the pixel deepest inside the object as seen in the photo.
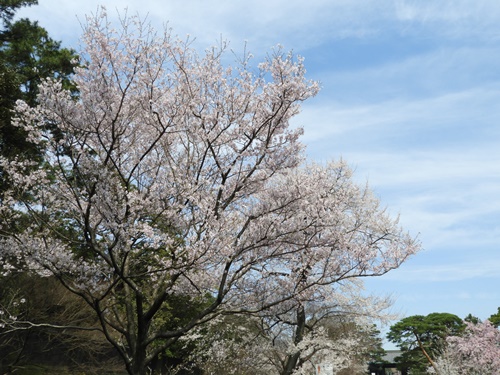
(172, 173)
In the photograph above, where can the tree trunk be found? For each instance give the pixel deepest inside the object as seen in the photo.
(293, 359)
(139, 364)
(421, 345)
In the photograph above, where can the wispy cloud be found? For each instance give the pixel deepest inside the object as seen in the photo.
(435, 160)
(292, 22)
(452, 18)
(449, 119)
(450, 272)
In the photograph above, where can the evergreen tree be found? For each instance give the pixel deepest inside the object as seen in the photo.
(27, 56)
(495, 318)
(9, 7)
(421, 338)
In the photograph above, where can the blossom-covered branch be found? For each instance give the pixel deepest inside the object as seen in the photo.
(172, 174)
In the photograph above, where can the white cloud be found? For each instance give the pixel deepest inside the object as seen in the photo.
(265, 23)
(479, 269)
(407, 124)
(434, 160)
(275, 21)
(453, 18)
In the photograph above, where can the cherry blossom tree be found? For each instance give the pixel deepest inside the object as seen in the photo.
(174, 174)
(336, 335)
(333, 329)
(477, 351)
(230, 345)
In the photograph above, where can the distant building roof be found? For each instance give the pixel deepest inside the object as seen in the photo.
(388, 363)
(390, 355)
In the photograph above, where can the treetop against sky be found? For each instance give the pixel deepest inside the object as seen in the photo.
(409, 98)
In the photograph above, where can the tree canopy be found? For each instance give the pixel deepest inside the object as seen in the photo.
(8, 8)
(172, 175)
(475, 351)
(495, 318)
(421, 338)
(27, 56)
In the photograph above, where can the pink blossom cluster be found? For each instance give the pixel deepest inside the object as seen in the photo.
(478, 349)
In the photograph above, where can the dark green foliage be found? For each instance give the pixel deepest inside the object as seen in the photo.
(11, 141)
(27, 56)
(178, 310)
(495, 318)
(28, 50)
(9, 7)
(374, 345)
(419, 335)
(472, 319)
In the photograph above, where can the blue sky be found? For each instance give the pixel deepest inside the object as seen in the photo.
(410, 98)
